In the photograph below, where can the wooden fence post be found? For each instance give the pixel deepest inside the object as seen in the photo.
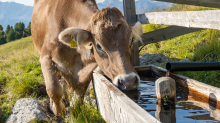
(131, 18)
(165, 90)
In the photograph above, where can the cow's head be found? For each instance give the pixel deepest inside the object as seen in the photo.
(110, 40)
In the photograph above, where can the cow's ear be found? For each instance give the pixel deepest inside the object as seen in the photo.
(137, 31)
(79, 36)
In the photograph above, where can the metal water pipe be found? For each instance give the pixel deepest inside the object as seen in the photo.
(192, 66)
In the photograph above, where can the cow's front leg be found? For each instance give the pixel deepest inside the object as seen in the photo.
(85, 76)
(53, 86)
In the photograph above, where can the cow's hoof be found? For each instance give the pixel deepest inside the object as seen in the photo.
(57, 110)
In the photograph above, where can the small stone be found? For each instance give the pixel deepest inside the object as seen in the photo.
(153, 59)
(27, 109)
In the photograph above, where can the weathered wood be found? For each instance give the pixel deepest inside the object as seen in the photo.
(206, 3)
(166, 33)
(196, 19)
(165, 88)
(115, 106)
(131, 18)
(142, 68)
(130, 11)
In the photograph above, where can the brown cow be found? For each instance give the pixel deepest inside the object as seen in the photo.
(104, 42)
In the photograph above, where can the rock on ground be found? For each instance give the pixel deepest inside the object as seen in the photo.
(153, 59)
(27, 109)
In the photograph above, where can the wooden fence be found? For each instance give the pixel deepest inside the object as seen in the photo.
(181, 22)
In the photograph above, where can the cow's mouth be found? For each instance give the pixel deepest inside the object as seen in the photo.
(127, 82)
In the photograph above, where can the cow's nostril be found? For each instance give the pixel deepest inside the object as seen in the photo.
(121, 85)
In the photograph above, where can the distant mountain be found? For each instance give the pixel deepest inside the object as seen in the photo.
(12, 13)
(141, 6)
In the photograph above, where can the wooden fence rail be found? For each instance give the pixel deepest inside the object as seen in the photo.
(197, 19)
(166, 33)
(188, 21)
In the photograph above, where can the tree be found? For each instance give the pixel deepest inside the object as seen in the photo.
(7, 29)
(10, 35)
(28, 30)
(1, 28)
(17, 35)
(19, 27)
(2, 37)
(19, 30)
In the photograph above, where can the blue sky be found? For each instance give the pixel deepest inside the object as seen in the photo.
(30, 2)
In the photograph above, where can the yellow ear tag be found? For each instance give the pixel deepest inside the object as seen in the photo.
(73, 43)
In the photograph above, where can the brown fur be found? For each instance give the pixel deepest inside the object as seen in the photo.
(106, 28)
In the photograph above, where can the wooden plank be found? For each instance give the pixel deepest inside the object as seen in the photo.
(142, 68)
(131, 18)
(115, 106)
(197, 19)
(166, 33)
(130, 11)
(206, 3)
(135, 54)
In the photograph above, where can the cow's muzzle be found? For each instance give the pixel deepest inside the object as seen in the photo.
(126, 82)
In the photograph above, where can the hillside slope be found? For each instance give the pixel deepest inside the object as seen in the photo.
(20, 73)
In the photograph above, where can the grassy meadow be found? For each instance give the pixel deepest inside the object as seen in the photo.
(20, 73)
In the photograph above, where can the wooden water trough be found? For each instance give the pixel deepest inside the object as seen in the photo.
(116, 107)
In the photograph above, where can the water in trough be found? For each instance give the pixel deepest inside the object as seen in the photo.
(184, 111)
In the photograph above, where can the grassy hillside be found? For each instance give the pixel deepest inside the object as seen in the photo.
(20, 73)
(21, 77)
(200, 46)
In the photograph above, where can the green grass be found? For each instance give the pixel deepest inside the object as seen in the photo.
(20, 73)
(85, 114)
(21, 77)
(200, 46)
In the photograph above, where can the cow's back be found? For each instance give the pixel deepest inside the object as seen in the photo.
(50, 17)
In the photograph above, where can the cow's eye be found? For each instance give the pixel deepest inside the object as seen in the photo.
(132, 41)
(98, 47)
